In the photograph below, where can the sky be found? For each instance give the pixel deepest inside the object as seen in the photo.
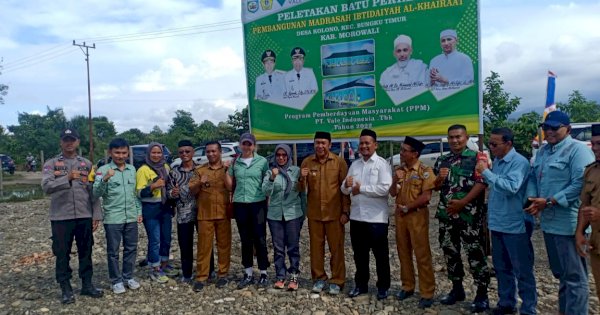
(155, 57)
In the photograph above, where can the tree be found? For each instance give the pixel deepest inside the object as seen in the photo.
(497, 104)
(580, 109)
(3, 88)
(226, 132)
(104, 132)
(207, 131)
(524, 130)
(183, 124)
(134, 136)
(36, 132)
(239, 121)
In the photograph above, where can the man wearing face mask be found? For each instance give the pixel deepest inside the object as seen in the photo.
(553, 187)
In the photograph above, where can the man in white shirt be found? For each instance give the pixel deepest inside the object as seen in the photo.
(368, 182)
(300, 81)
(452, 67)
(269, 85)
(407, 77)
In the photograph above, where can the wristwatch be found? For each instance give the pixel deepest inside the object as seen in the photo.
(549, 202)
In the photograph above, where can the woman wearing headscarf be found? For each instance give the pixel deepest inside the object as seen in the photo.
(152, 178)
(285, 216)
(244, 178)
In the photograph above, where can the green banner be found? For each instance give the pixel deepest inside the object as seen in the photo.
(399, 67)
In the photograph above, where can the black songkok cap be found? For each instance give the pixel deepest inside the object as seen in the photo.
(185, 143)
(414, 143)
(595, 130)
(369, 132)
(323, 135)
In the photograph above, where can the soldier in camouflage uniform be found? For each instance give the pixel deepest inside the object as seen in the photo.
(460, 214)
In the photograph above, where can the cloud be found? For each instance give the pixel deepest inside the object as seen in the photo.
(172, 74)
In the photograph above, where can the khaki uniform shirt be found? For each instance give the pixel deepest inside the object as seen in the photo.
(70, 199)
(325, 200)
(590, 196)
(213, 198)
(417, 179)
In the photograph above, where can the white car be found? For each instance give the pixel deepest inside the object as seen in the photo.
(229, 151)
(432, 151)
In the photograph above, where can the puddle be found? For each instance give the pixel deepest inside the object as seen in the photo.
(21, 193)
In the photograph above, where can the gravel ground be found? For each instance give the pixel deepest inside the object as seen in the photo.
(28, 285)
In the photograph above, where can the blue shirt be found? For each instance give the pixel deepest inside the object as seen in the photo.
(507, 182)
(558, 173)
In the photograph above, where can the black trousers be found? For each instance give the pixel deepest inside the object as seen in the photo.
(63, 233)
(365, 237)
(251, 220)
(185, 238)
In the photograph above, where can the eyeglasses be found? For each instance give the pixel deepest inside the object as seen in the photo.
(407, 150)
(184, 151)
(547, 127)
(494, 144)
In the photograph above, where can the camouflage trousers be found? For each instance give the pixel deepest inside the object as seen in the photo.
(456, 232)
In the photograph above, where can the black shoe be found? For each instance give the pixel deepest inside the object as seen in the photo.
(503, 310)
(246, 281)
(198, 286)
(88, 289)
(403, 295)
(356, 292)
(143, 263)
(382, 294)
(480, 304)
(221, 282)
(263, 281)
(425, 303)
(67, 293)
(453, 297)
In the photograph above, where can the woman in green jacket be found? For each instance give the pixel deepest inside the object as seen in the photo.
(285, 216)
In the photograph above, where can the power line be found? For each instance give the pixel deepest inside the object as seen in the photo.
(49, 51)
(166, 36)
(159, 32)
(50, 54)
(35, 62)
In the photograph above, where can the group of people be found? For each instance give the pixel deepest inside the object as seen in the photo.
(557, 188)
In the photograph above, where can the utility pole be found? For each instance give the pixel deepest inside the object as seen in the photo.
(87, 60)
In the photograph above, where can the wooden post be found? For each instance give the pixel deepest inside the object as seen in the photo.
(295, 154)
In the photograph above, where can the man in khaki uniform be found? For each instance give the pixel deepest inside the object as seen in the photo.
(74, 214)
(322, 175)
(212, 198)
(589, 212)
(412, 185)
